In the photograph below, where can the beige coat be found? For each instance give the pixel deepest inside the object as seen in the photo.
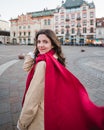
(32, 114)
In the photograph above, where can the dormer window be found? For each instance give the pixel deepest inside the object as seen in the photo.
(62, 10)
(84, 8)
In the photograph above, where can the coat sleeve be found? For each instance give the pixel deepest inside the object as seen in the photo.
(28, 63)
(33, 97)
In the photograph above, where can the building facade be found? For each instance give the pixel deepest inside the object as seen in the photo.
(4, 32)
(100, 29)
(24, 28)
(74, 21)
(77, 21)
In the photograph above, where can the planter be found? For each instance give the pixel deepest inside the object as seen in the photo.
(21, 56)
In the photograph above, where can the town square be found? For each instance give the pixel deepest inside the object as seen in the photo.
(88, 66)
(79, 28)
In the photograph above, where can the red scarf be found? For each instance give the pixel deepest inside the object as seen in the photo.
(66, 102)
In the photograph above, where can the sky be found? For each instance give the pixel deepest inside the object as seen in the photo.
(12, 8)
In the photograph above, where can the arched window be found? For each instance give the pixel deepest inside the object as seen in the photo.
(73, 30)
(49, 21)
(91, 30)
(84, 30)
(45, 22)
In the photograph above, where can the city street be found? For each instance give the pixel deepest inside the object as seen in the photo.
(87, 65)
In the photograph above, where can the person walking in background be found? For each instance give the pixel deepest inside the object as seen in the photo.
(54, 98)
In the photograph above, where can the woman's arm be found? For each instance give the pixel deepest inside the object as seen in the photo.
(33, 97)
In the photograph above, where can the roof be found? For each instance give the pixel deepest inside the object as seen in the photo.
(45, 12)
(91, 5)
(72, 3)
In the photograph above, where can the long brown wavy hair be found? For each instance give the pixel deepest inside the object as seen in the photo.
(54, 41)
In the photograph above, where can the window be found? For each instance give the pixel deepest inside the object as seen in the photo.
(99, 32)
(73, 16)
(91, 22)
(84, 15)
(56, 26)
(78, 31)
(73, 30)
(28, 33)
(84, 8)
(84, 30)
(99, 24)
(62, 31)
(91, 14)
(62, 16)
(78, 24)
(19, 27)
(28, 26)
(49, 21)
(29, 40)
(78, 15)
(56, 18)
(56, 31)
(62, 23)
(20, 33)
(84, 22)
(14, 34)
(24, 33)
(62, 10)
(67, 31)
(45, 22)
(67, 16)
(24, 27)
(20, 40)
(73, 24)
(91, 30)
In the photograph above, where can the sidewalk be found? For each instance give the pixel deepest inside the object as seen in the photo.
(12, 84)
(12, 80)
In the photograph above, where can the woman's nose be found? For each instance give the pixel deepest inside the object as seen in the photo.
(41, 44)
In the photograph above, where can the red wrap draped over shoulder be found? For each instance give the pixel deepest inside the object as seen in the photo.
(66, 103)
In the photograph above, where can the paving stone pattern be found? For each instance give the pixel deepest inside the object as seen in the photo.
(12, 80)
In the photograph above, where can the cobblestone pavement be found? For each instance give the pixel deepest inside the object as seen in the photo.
(88, 66)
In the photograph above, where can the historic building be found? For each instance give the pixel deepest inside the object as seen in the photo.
(100, 29)
(24, 28)
(4, 32)
(74, 21)
(79, 21)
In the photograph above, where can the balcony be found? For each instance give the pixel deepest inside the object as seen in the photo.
(67, 26)
(78, 25)
(67, 19)
(78, 18)
(79, 33)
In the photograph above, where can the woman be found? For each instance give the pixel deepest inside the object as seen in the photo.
(54, 98)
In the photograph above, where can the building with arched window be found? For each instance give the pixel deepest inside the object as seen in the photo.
(74, 21)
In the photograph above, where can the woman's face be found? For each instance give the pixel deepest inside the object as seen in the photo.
(43, 44)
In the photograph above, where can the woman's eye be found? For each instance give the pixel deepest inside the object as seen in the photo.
(45, 41)
(38, 41)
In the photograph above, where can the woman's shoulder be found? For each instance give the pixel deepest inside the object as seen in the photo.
(41, 64)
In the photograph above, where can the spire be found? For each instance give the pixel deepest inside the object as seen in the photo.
(62, 2)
